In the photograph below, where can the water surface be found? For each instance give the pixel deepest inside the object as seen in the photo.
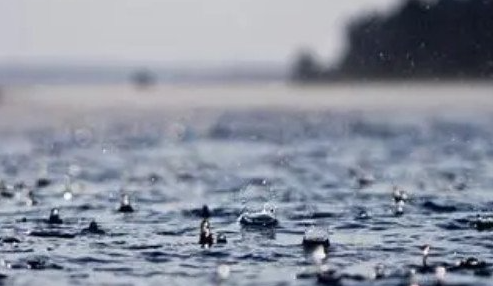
(306, 163)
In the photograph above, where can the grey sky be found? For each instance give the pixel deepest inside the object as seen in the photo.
(181, 31)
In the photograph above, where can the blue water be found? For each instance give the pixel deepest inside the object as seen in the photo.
(309, 165)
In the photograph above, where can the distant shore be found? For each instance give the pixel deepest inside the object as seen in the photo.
(71, 103)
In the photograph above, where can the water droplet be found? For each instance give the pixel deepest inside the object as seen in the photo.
(319, 254)
(223, 272)
(67, 195)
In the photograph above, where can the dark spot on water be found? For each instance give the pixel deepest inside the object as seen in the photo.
(10, 239)
(453, 225)
(54, 217)
(351, 226)
(215, 254)
(219, 212)
(35, 263)
(258, 182)
(90, 260)
(6, 194)
(93, 228)
(86, 207)
(52, 234)
(43, 183)
(125, 206)
(258, 257)
(483, 272)
(176, 232)
(482, 223)
(221, 238)
(114, 269)
(144, 247)
(439, 208)
(185, 177)
(156, 256)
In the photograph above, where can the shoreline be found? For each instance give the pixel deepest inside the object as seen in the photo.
(74, 102)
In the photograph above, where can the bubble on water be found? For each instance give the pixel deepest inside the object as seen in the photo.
(223, 271)
(67, 195)
(125, 206)
(106, 148)
(125, 200)
(440, 273)
(381, 55)
(54, 212)
(319, 254)
(68, 191)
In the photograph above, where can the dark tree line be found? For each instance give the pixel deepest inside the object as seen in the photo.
(441, 40)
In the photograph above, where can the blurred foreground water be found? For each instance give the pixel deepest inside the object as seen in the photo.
(321, 164)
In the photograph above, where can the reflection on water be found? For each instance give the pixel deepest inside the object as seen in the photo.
(335, 171)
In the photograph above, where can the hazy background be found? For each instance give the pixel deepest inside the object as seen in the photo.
(144, 43)
(173, 31)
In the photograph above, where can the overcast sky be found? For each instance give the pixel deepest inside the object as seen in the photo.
(179, 31)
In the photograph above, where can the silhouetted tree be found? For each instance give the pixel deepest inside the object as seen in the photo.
(422, 39)
(450, 38)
